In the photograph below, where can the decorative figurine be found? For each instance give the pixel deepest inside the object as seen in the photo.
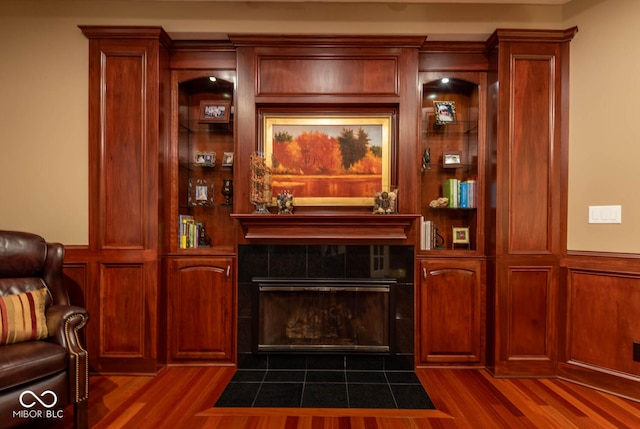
(285, 203)
(227, 191)
(203, 238)
(426, 160)
(385, 202)
(438, 239)
(439, 203)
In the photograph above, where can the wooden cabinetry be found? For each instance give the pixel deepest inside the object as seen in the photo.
(451, 282)
(128, 77)
(529, 101)
(506, 140)
(451, 299)
(201, 163)
(200, 309)
(199, 257)
(452, 161)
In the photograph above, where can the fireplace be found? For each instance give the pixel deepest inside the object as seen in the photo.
(323, 315)
(361, 297)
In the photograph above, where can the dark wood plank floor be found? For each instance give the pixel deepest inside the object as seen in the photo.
(183, 397)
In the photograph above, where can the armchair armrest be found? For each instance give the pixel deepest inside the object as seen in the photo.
(64, 322)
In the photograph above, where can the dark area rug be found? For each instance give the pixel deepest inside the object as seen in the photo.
(325, 381)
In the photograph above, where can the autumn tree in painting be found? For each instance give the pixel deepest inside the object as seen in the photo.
(314, 152)
(286, 157)
(320, 153)
(352, 148)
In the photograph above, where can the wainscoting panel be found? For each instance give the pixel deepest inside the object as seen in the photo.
(603, 319)
(602, 322)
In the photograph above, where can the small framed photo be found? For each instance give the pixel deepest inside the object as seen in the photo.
(460, 236)
(445, 112)
(452, 159)
(205, 159)
(212, 111)
(200, 192)
(227, 159)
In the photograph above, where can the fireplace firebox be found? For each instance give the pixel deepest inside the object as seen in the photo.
(324, 315)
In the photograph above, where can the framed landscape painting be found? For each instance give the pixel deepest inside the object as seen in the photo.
(329, 160)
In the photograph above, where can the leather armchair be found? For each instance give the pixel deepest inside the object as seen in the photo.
(40, 378)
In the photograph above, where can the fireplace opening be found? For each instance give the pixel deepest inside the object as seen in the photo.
(324, 315)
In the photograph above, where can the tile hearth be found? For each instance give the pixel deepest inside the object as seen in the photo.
(325, 381)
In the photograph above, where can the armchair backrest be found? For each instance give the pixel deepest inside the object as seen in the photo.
(28, 262)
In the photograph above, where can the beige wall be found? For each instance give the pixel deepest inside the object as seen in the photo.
(604, 147)
(43, 107)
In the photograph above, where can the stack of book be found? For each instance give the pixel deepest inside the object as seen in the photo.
(460, 194)
(426, 234)
(188, 233)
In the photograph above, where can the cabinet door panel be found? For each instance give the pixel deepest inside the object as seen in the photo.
(200, 309)
(451, 311)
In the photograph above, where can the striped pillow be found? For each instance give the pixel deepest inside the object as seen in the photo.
(22, 317)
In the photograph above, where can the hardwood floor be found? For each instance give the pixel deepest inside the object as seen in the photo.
(183, 397)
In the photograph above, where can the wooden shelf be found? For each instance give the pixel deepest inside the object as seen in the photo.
(330, 226)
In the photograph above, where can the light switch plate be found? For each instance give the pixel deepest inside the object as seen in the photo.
(605, 214)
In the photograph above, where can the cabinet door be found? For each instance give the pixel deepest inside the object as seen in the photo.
(451, 296)
(200, 305)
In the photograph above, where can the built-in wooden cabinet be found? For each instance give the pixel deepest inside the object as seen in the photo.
(527, 141)
(489, 292)
(451, 307)
(128, 130)
(201, 162)
(452, 143)
(199, 256)
(200, 314)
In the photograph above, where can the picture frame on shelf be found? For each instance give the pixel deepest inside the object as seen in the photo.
(324, 178)
(200, 192)
(227, 159)
(444, 112)
(205, 159)
(214, 111)
(452, 159)
(460, 235)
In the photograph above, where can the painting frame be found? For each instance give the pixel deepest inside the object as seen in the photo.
(227, 159)
(205, 159)
(452, 159)
(200, 192)
(214, 111)
(460, 235)
(444, 112)
(378, 124)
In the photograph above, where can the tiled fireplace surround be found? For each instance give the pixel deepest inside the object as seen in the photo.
(325, 261)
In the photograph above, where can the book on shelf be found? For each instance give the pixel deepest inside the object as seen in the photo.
(188, 232)
(426, 234)
(450, 191)
(460, 194)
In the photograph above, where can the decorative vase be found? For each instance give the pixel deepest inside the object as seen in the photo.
(260, 192)
(227, 191)
(203, 238)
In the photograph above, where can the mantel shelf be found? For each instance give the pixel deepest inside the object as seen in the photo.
(330, 226)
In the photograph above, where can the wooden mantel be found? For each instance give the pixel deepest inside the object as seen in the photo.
(327, 226)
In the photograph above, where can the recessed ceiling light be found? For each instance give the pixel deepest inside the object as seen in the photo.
(212, 78)
(445, 80)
